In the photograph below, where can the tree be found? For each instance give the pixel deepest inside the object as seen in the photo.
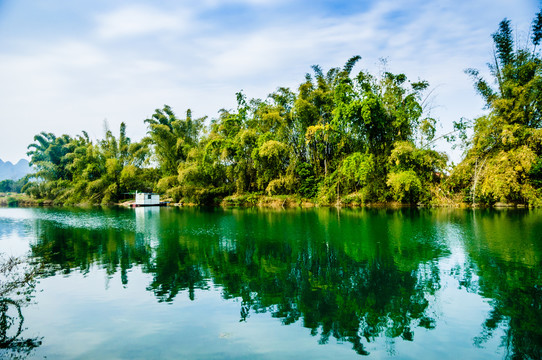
(507, 142)
(75, 170)
(332, 138)
(172, 138)
(47, 156)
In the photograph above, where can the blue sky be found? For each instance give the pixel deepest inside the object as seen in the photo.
(66, 66)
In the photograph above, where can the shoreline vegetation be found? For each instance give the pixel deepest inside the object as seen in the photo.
(341, 139)
(250, 201)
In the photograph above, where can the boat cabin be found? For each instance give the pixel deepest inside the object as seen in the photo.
(147, 199)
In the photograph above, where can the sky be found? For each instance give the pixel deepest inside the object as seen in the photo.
(68, 66)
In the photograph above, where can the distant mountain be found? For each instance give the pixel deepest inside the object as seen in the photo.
(14, 172)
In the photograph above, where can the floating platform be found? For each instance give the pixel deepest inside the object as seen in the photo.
(147, 205)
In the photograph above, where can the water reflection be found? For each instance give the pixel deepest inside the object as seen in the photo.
(17, 284)
(505, 259)
(354, 276)
(12, 344)
(64, 248)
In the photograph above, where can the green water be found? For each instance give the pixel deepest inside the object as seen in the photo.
(163, 283)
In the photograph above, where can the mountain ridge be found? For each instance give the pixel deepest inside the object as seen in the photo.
(10, 171)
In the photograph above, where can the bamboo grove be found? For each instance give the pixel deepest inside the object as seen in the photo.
(340, 138)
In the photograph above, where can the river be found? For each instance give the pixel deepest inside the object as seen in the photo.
(172, 283)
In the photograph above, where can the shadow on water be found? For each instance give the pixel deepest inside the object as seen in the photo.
(352, 275)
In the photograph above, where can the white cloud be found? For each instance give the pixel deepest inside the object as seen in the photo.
(130, 60)
(217, 3)
(139, 20)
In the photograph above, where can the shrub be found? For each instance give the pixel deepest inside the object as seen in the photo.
(405, 186)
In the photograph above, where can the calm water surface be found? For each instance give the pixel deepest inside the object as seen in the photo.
(164, 283)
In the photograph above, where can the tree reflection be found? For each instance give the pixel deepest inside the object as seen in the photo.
(64, 249)
(176, 269)
(506, 255)
(335, 295)
(356, 276)
(17, 283)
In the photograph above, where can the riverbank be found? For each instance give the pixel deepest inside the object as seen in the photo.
(21, 200)
(262, 201)
(295, 201)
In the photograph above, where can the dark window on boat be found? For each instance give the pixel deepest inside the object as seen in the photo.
(149, 197)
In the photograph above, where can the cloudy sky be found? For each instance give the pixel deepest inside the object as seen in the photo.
(66, 66)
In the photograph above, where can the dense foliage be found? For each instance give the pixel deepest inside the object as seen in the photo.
(76, 170)
(503, 160)
(340, 137)
(8, 186)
